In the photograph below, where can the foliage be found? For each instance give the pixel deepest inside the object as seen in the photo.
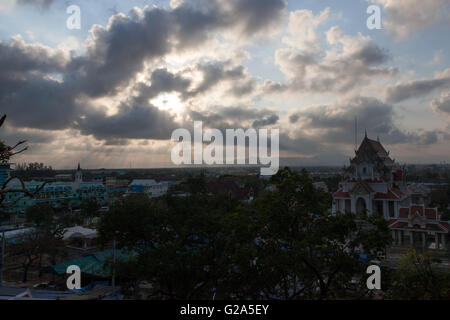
(35, 166)
(418, 278)
(44, 241)
(90, 208)
(285, 244)
(40, 214)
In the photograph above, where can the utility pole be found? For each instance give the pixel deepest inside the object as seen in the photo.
(2, 257)
(113, 280)
(356, 133)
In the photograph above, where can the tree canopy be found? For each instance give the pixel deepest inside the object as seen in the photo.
(284, 245)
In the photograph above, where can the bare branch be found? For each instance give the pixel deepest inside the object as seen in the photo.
(24, 190)
(2, 120)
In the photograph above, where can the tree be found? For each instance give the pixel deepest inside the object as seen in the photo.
(90, 208)
(418, 278)
(41, 214)
(28, 246)
(50, 231)
(6, 152)
(182, 244)
(440, 198)
(286, 244)
(302, 250)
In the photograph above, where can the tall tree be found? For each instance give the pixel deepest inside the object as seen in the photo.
(420, 278)
(303, 251)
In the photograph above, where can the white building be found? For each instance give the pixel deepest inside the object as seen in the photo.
(148, 186)
(374, 183)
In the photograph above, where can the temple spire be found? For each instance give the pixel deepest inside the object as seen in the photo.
(365, 133)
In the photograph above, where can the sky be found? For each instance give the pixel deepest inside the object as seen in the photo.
(110, 94)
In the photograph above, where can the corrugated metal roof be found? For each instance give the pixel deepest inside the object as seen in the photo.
(92, 264)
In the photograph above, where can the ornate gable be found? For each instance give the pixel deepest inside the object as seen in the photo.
(361, 188)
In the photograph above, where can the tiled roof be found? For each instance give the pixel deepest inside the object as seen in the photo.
(431, 214)
(341, 194)
(428, 227)
(388, 195)
(377, 146)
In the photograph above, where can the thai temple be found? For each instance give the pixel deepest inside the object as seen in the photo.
(58, 194)
(375, 183)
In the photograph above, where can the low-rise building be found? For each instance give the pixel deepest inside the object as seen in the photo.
(58, 194)
(150, 187)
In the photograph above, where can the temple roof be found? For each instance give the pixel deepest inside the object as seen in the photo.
(375, 146)
(372, 151)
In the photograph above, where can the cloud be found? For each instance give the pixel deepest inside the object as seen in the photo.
(442, 105)
(417, 88)
(130, 122)
(405, 17)
(196, 80)
(11, 135)
(162, 81)
(17, 57)
(349, 62)
(43, 4)
(234, 117)
(334, 123)
(301, 30)
(49, 89)
(116, 52)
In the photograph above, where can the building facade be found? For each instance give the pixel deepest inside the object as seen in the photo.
(375, 183)
(57, 194)
(149, 187)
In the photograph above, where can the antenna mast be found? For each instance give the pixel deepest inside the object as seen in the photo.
(356, 130)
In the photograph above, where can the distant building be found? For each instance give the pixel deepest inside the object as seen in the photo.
(58, 194)
(79, 237)
(5, 169)
(149, 187)
(63, 177)
(374, 183)
(113, 182)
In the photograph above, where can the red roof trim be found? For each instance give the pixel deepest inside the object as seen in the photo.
(341, 194)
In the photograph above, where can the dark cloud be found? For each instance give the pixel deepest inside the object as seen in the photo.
(45, 88)
(309, 72)
(162, 81)
(130, 122)
(234, 117)
(17, 57)
(334, 123)
(40, 103)
(255, 16)
(216, 72)
(415, 89)
(11, 135)
(371, 54)
(271, 120)
(116, 52)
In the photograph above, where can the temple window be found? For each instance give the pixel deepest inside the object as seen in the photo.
(391, 209)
